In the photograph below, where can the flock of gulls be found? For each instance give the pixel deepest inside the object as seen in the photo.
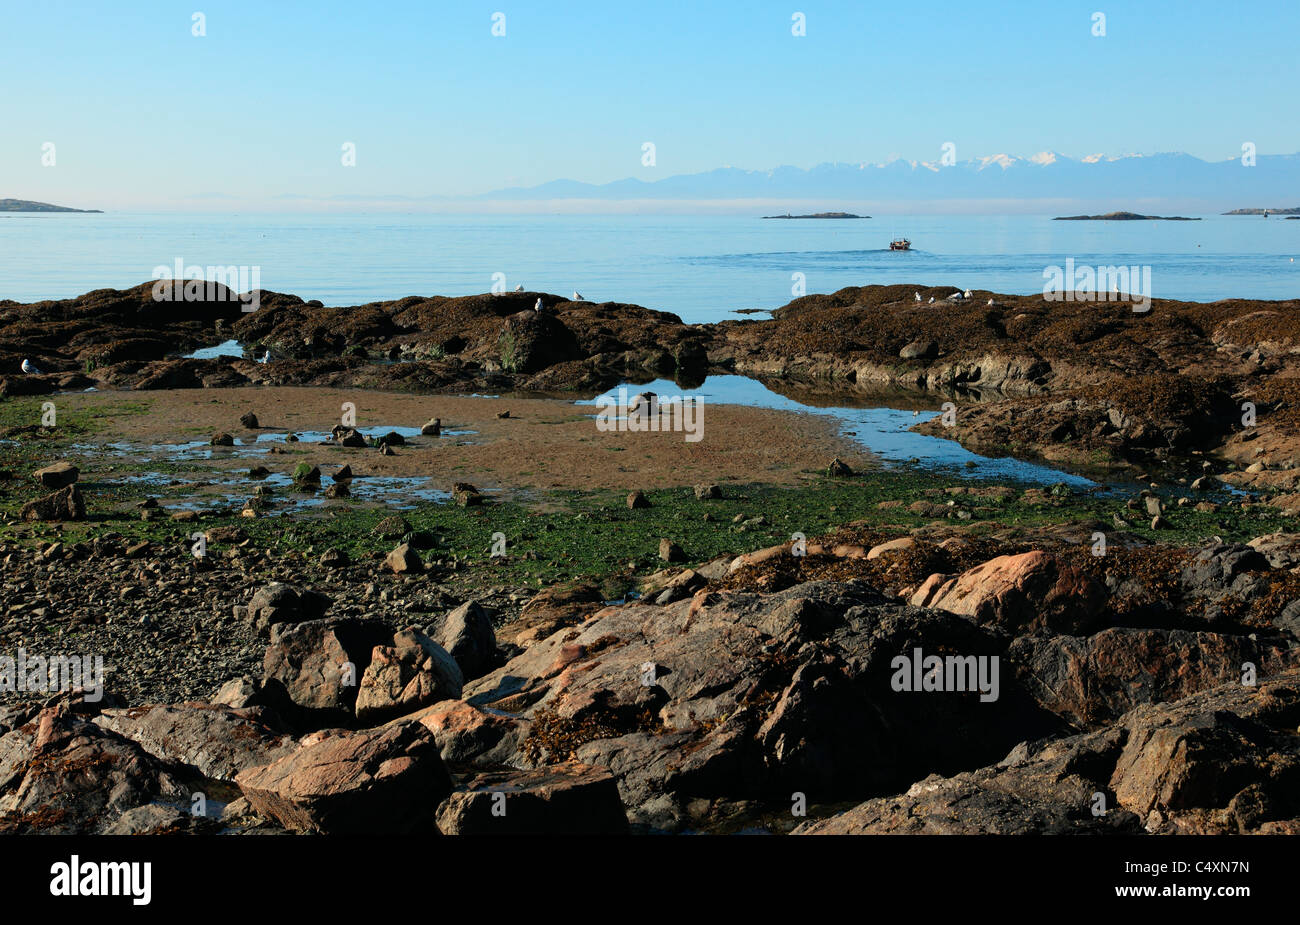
(537, 306)
(955, 297)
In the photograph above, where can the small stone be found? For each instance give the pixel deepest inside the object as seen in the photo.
(404, 559)
(838, 469)
(670, 551)
(334, 558)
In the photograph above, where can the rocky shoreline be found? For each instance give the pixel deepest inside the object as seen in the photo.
(829, 649)
(1145, 389)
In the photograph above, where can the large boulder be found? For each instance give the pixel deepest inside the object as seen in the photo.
(1040, 789)
(530, 342)
(410, 672)
(552, 609)
(1095, 679)
(467, 735)
(1221, 568)
(467, 634)
(1281, 549)
(312, 670)
(564, 799)
(64, 504)
(378, 781)
(280, 603)
(217, 741)
(57, 475)
(60, 772)
(1022, 593)
(1222, 761)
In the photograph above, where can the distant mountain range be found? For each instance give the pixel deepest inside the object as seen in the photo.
(26, 205)
(1045, 176)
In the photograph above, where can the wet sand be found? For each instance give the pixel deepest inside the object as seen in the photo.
(544, 444)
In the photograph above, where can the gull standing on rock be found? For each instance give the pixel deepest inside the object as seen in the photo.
(966, 294)
(577, 296)
(537, 306)
(917, 296)
(931, 300)
(519, 288)
(30, 368)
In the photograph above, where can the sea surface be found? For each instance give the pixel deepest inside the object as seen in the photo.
(702, 268)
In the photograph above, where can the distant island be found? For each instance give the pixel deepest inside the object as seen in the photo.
(820, 215)
(1295, 211)
(1124, 217)
(25, 205)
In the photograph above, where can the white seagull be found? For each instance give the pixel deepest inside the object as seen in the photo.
(577, 296)
(917, 296)
(931, 300)
(30, 368)
(966, 293)
(990, 301)
(537, 306)
(519, 288)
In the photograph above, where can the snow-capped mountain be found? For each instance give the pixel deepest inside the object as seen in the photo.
(1274, 180)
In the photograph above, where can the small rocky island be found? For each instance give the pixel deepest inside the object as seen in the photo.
(26, 205)
(1290, 212)
(820, 215)
(1124, 217)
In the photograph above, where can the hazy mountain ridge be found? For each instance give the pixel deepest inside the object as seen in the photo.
(1046, 175)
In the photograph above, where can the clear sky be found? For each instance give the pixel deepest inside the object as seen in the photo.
(144, 114)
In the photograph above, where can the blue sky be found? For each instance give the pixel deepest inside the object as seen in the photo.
(145, 115)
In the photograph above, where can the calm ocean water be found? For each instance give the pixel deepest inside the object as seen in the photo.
(702, 268)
